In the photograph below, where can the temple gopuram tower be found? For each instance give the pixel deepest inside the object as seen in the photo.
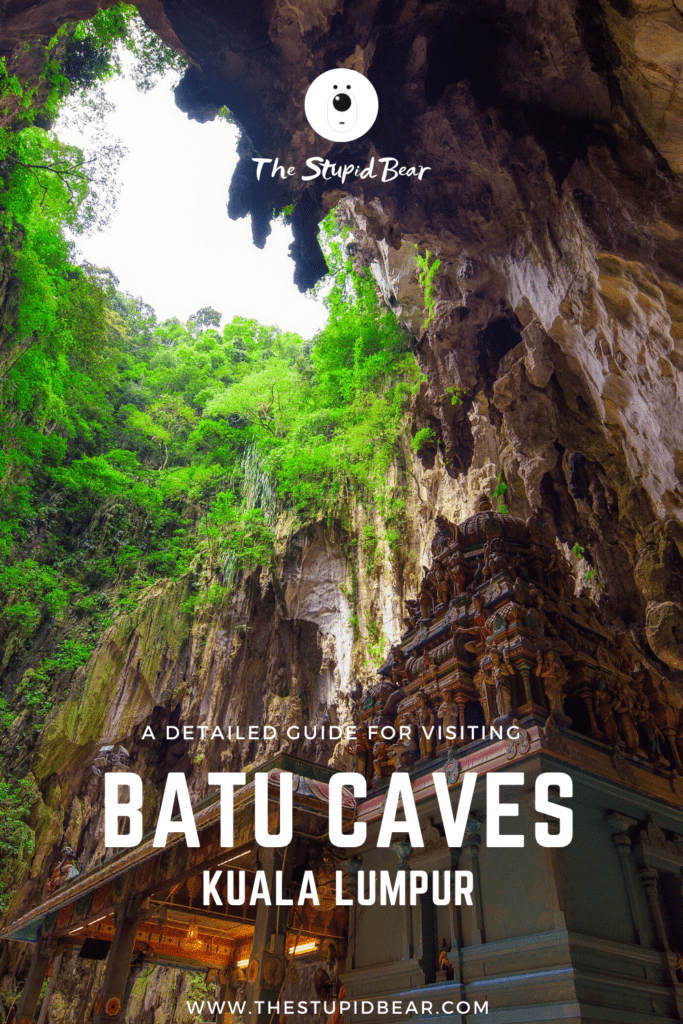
(503, 668)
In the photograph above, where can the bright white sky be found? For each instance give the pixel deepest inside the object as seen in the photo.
(170, 239)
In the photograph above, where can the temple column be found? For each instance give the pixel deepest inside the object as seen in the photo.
(648, 880)
(402, 851)
(618, 824)
(267, 965)
(471, 844)
(351, 867)
(116, 974)
(30, 996)
(50, 988)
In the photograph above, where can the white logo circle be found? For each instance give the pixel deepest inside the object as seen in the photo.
(341, 105)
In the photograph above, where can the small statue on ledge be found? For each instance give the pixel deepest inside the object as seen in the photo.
(449, 713)
(554, 678)
(413, 614)
(428, 663)
(426, 723)
(503, 674)
(544, 623)
(605, 713)
(624, 708)
(426, 600)
(382, 763)
(445, 965)
(403, 752)
(652, 732)
(65, 870)
(361, 748)
(443, 590)
(457, 572)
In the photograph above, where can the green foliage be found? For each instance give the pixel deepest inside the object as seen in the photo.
(377, 642)
(421, 379)
(426, 275)
(370, 546)
(284, 216)
(93, 50)
(456, 394)
(17, 839)
(205, 317)
(132, 450)
(593, 576)
(499, 492)
(592, 573)
(423, 439)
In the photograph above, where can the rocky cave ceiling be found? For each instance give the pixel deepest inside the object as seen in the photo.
(554, 134)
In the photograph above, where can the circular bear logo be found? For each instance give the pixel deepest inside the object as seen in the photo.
(341, 105)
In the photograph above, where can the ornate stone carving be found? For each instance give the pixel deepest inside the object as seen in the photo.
(502, 634)
(554, 677)
(553, 736)
(622, 767)
(452, 769)
(520, 743)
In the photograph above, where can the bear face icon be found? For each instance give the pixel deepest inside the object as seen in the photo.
(342, 109)
(341, 105)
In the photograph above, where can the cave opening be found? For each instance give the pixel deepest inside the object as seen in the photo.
(167, 236)
(498, 338)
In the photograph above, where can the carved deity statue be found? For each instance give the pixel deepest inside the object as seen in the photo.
(495, 558)
(65, 870)
(398, 666)
(449, 713)
(479, 629)
(403, 751)
(428, 663)
(457, 571)
(426, 600)
(425, 721)
(544, 623)
(382, 763)
(605, 714)
(503, 674)
(483, 680)
(444, 962)
(624, 706)
(361, 748)
(443, 590)
(554, 677)
(651, 731)
(413, 614)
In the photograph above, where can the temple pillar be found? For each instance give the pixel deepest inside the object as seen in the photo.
(113, 995)
(618, 824)
(50, 988)
(351, 867)
(409, 948)
(30, 995)
(267, 965)
(471, 844)
(648, 879)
